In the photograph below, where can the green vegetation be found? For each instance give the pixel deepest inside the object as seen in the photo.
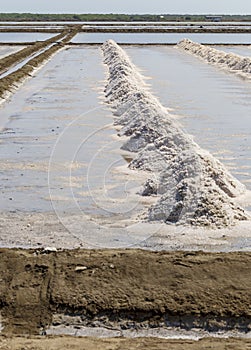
(29, 17)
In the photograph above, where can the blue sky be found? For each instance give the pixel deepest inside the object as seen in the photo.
(127, 6)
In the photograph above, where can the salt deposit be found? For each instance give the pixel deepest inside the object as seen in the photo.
(230, 61)
(190, 185)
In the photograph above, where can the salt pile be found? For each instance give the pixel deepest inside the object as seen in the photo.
(192, 186)
(230, 61)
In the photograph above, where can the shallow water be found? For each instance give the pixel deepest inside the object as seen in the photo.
(24, 37)
(162, 38)
(57, 124)
(244, 51)
(7, 50)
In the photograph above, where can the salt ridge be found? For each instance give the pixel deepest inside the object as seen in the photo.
(193, 187)
(229, 61)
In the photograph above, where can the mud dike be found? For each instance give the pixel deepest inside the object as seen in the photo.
(123, 290)
(229, 61)
(28, 60)
(192, 187)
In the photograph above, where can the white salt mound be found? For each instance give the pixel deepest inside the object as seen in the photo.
(193, 187)
(230, 61)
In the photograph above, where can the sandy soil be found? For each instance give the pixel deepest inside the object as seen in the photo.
(126, 288)
(53, 343)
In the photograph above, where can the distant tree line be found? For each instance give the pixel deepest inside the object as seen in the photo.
(30, 17)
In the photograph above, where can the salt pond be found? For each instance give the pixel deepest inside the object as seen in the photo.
(163, 38)
(7, 50)
(58, 117)
(24, 37)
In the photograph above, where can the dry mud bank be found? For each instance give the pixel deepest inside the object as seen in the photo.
(64, 342)
(165, 30)
(30, 30)
(10, 60)
(192, 186)
(124, 289)
(230, 61)
(47, 49)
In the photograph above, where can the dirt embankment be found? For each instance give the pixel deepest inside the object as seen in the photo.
(30, 30)
(125, 287)
(8, 61)
(8, 82)
(58, 343)
(166, 30)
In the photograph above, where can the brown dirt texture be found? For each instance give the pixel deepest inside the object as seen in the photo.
(166, 30)
(64, 342)
(213, 289)
(12, 59)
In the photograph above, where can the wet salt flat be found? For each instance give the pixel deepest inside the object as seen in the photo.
(33, 121)
(162, 38)
(24, 37)
(215, 126)
(57, 123)
(7, 50)
(62, 111)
